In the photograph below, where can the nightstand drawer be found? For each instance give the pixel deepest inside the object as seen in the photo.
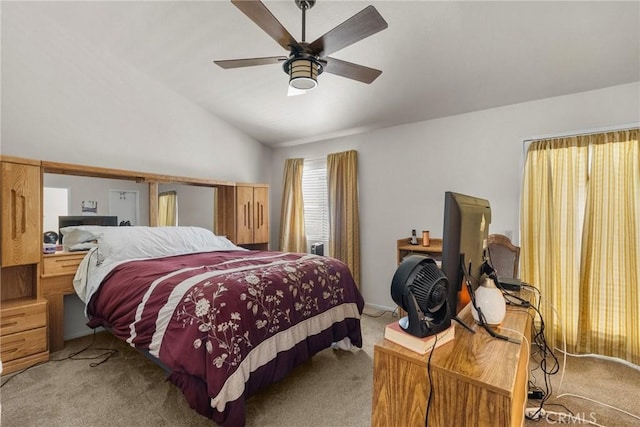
(62, 264)
(22, 316)
(23, 344)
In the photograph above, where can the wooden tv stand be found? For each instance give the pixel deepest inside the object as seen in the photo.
(477, 380)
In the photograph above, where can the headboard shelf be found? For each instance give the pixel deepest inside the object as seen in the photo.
(100, 172)
(91, 171)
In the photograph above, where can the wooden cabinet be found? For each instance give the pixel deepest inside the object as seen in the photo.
(242, 214)
(21, 214)
(23, 313)
(405, 248)
(252, 211)
(476, 380)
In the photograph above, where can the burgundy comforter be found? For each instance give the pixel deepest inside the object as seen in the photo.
(228, 323)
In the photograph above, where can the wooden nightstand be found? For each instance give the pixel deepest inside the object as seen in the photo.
(56, 281)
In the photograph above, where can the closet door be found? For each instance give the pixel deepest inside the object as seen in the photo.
(244, 215)
(21, 214)
(261, 215)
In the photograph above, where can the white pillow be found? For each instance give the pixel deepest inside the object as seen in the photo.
(123, 243)
(80, 234)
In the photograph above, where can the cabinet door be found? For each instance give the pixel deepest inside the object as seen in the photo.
(261, 215)
(21, 214)
(244, 215)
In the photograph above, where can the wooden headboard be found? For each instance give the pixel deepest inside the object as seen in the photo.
(50, 277)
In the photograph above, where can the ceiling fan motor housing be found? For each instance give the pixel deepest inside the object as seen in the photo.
(421, 289)
(305, 4)
(303, 70)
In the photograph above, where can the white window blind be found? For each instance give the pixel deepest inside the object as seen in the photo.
(316, 209)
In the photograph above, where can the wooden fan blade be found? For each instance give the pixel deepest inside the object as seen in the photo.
(351, 71)
(258, 13)
(361, 25)
(250, 62)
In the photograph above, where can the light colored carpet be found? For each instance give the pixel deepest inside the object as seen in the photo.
(590, 388)
(333, 389)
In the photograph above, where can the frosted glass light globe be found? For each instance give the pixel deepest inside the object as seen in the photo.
(491, 302)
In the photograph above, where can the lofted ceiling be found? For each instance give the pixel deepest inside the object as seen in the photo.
(438, 58)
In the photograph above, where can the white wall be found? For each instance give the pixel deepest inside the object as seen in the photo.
(405, 170)
(66, 100)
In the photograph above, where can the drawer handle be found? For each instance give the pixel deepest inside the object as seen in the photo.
(18, 213)
(69, 264)
(8, 324)
(10, 350)
(14, 349)
(12, 320)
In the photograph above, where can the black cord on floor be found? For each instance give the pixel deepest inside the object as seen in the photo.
(375, 316)
(563, 407)
(548, 362)
(15, 374)
(108, 353)
(426, 418)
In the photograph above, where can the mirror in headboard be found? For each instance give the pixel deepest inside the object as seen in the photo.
(99, 190)
(195, 204)
(196, 196)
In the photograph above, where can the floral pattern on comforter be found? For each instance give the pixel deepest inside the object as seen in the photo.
(228, 323)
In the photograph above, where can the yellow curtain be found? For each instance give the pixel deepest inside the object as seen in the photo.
(552, 205)
(579, 239)
(610, 300)
(168, 209)
(292, 234)
(344, 222)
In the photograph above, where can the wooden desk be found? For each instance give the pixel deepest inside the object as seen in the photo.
(405, 248)
(477, 380)
(56, 281)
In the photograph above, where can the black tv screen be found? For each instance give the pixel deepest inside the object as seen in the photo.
(69, 221)
(464, 240)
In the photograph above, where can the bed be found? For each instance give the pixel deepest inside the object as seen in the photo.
(224, 322)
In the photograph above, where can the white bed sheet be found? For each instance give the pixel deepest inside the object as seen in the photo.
(117, 245)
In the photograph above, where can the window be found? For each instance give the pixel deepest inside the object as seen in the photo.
(316, 210)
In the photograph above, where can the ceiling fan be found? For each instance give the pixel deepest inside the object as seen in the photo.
(308, 60)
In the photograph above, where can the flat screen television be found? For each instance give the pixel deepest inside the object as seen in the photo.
(464, 240)
(68, 221)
